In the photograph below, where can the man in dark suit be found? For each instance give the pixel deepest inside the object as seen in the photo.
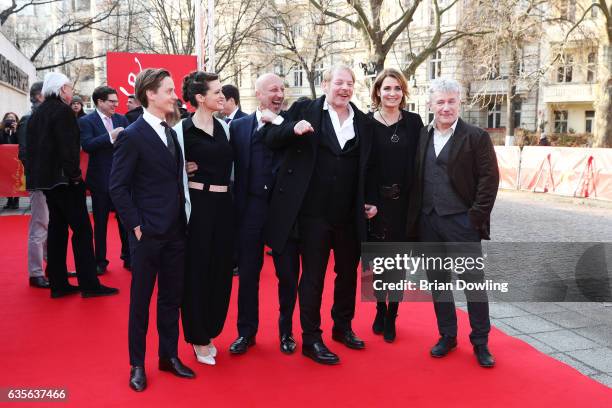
(99, 130)
(134, 109)
(146, 186)
(53, 158)
(319, 197)
(255, 167)
(453, 195)
(231, 107)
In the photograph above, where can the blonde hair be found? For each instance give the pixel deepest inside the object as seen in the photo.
(389, 73)
(329, 73)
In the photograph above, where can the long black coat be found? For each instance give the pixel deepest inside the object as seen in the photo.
(296, 171)
(473, 172)
(53, 146)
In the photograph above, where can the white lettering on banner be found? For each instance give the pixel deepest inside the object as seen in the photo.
(131, 79)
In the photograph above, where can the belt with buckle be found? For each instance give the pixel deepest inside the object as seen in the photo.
(207, 187)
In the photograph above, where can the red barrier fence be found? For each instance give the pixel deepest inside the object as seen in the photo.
(508, 160)
(567, 171)
(12, 179)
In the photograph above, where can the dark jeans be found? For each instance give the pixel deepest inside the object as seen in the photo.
(455, 228)
(67, 208)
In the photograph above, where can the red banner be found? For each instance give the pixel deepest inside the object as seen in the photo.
(12, 178)
(122, 68)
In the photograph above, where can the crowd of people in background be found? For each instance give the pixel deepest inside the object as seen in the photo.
(197, 194)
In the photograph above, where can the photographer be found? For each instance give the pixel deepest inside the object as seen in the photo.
(8, 135)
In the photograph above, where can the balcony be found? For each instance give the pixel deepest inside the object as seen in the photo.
(568, 92)
(496, 87)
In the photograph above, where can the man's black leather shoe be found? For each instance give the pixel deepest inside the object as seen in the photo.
(241, 344)
(138, 378)
(100, 270)
(484, 357)
(99, 291)
(176, 367)
(287, 344)
(443, 346)
(39, 282)
(348, 338)
(72, 274)
(320, 353)
(68, 290)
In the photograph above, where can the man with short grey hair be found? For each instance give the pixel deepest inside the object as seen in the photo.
(53, 155)
(452, 198)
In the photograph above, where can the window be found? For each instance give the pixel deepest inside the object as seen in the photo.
(568, 10)
(494, 115)
(494, 71)
(560, 121)
(564, 71)
(318, 75)
(435, 65)
(589, 119)
(594, 9)
(278, 31)
(80, 5)
(591, 67)
(278, 68)
(411, 107)
(296, 31)
(518, 107)
(298, 76)
(430, 117)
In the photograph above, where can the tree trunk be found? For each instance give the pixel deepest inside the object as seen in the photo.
(511, 98)
(603, 108)
(311, 82)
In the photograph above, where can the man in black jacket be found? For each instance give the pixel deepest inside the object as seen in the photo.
(53, 156)
(452, 198)
(319, 198)
(134, 109)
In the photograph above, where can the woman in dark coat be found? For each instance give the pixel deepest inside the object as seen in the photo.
(389, 178)
(210, 241)
(77, 106)
(8, 135)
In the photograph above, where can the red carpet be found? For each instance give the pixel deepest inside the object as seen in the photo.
(81, 345)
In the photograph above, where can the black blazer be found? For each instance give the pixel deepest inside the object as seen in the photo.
(296, 170)
(53, 148)
(239, 114)
(133, 115)
(146, 182)
(95, 140)
(473, 173)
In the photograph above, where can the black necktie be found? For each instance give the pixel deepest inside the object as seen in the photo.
(228, 120)
(169, 139)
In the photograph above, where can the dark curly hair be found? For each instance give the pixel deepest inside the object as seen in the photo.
(197, 83)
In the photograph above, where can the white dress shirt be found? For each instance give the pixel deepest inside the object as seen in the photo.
(231, 115)
(441, 137)
(344, 132)
(108, 124)
(277, 120)
(155, 123)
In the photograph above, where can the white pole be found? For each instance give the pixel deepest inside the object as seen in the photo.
(210, 66)
(199, 40)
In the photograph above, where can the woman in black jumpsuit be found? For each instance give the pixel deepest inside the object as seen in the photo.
(210, 241)
(389, 177)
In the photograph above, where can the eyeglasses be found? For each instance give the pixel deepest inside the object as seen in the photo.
(113, 101)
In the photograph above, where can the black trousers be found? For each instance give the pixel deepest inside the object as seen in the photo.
(455, 228)
(67, 209)
(101, 206)
(250, 262)
(162, 258)
(317, 238)
(209, 264)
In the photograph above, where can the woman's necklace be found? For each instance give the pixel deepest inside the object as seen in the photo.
(394, 136)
